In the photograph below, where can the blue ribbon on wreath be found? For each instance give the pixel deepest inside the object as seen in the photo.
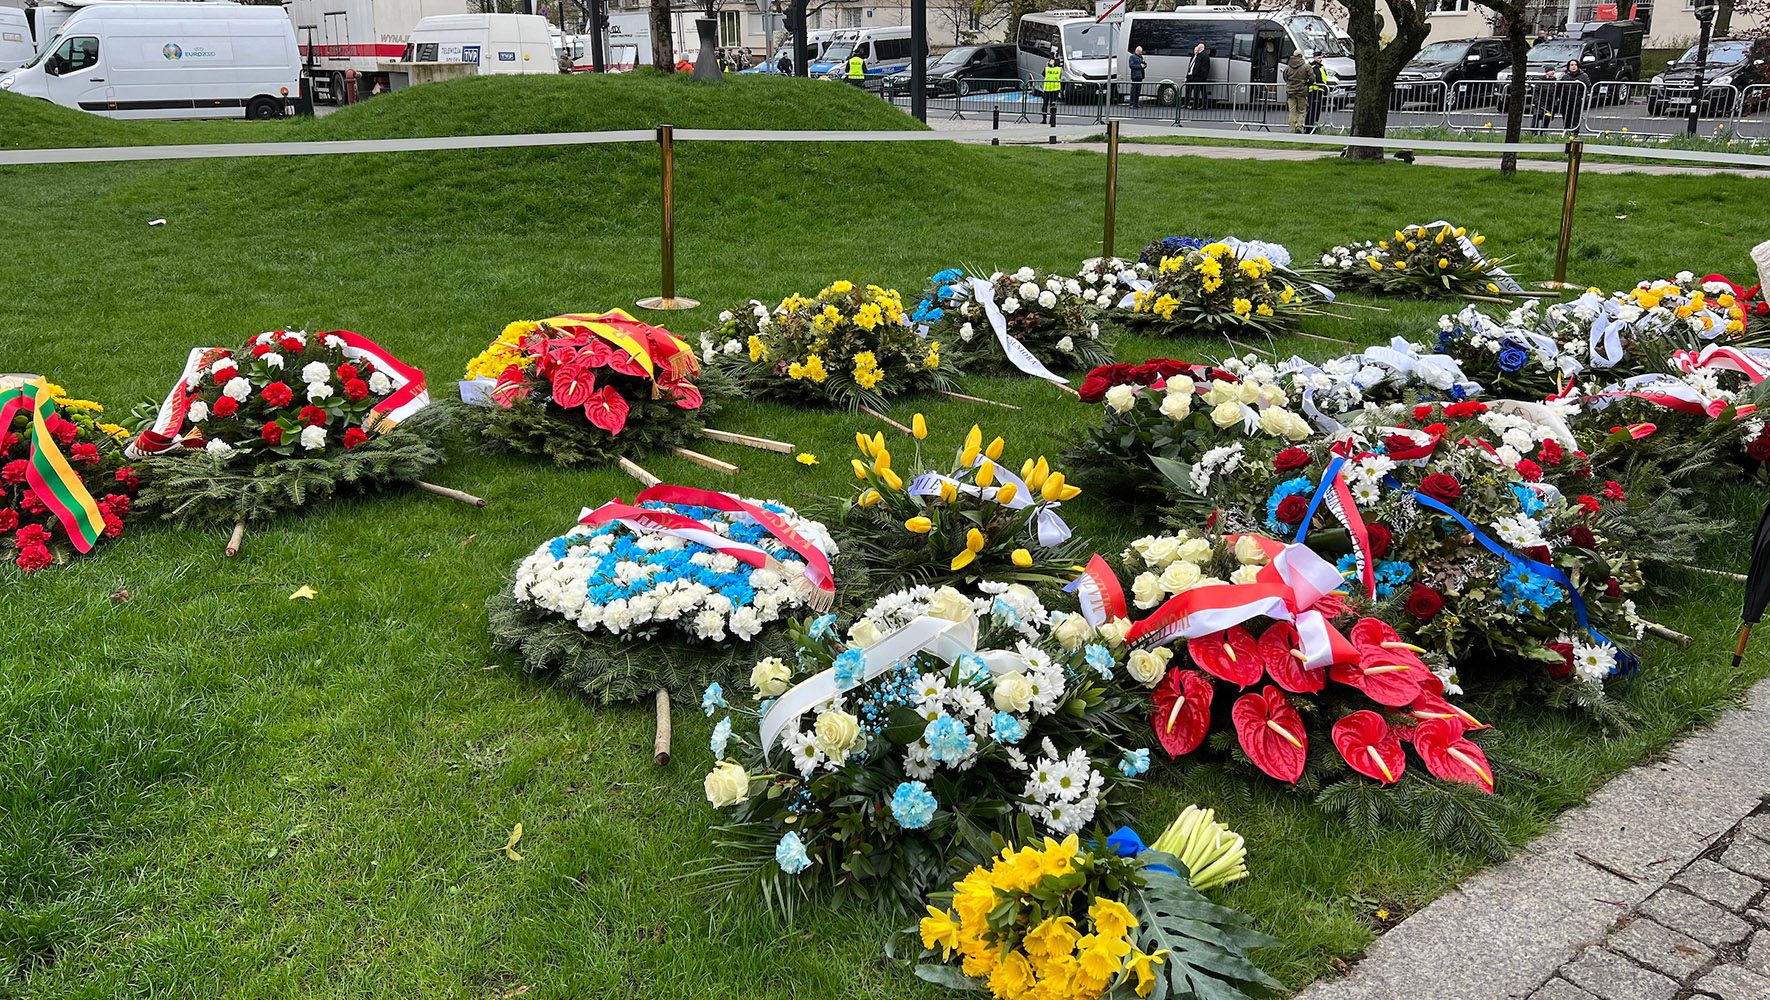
(1626, 662)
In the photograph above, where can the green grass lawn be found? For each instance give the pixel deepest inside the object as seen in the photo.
(209, 790)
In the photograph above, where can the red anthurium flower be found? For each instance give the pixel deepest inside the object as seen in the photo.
(1448, 755)
(1370, 746)
(511, 386)
(596, 353)
(1271, 732)
(572, 386)
(1433, 706)
(686, 395)
(1387, 671)
(561, 356)
(1281, 655)
(1231, 655)
(1182, 711)
(607, 410)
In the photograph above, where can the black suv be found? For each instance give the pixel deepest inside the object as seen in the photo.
(1734, 65)
(1608, 51)
(1432, 76)
(967, 69)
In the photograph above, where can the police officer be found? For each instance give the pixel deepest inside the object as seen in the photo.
(1052, 86)
(1318, 88)
(857, 71)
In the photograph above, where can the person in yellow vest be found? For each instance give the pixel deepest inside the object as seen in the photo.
(857, 71)
(1318, 91)
(1051, 87)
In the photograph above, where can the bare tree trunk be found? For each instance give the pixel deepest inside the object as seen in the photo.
(663, 51)
(1379, 64)
(1723, 19)
(1518, 41)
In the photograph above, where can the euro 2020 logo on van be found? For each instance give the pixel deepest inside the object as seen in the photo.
(172, 51)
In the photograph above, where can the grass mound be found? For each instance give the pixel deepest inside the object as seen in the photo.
(490, 105)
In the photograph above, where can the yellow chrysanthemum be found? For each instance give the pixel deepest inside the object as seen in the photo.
(758, 350)
(869, 317)
(812, 369)
(842, 287)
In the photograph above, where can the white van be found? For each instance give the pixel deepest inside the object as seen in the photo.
(496, 43)
(1081, 43)
(168, 60)
(15, 39)
(884, 51)
(1244, 48)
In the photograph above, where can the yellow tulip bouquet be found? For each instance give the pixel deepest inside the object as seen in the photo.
(847, 346)
(1213, 290)
(1422, 261)
(978, 520)
(1060, 921)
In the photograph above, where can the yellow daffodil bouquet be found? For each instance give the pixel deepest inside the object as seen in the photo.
(847, 346)
(1212, 290)
(1060, 921)
(1421, 261)
(974, 520)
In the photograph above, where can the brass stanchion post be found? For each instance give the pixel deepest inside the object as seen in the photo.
(668, 300)
(1112, 184)
(1574, 150)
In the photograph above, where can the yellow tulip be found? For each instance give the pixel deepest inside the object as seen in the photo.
(1478, 239)
(1006, 494)
(948, 492)
(974, 437)
(968, 457)
(1442, 233)
(974, 540)
(1069, 492)
(1443, 263)
(870, 498)
(919, 427)
(892, 479)
(1053, 488)
(1026, 468)
(864, 443)
(986, 473)
(994, 451)
(918, 525)
(1038, 475)
(1021, 558)
(881, 460)
(963, 560)
(879, 441)
(860, 468)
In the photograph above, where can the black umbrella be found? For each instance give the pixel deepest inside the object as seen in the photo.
(1757, 584)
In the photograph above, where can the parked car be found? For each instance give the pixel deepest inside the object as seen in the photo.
(1608, 51)
(1734, 64)
(967, 69)
(1433, 75)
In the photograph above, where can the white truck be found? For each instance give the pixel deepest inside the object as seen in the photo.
(494, 44)
(341, 36)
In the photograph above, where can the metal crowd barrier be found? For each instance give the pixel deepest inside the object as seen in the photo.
(1651, 109)
(1418, 105)
(1551, 107)
(1754, 113)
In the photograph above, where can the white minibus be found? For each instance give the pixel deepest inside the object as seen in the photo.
(1244, 47)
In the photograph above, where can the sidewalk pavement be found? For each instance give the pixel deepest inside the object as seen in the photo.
(1654, 890)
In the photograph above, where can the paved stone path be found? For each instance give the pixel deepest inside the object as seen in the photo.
(1656, 889)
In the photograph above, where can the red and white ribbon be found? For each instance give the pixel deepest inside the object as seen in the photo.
(1754, 365)
(817, 561)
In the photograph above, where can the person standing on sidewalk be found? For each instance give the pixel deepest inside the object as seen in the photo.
(1197, 72)
(1053, 85)
(1139, 66)
(1318, 88)
(1575, 85)
(857, 71)
(1296, 88)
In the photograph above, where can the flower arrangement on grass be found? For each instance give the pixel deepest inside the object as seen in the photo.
(284, 421)
(882, 766)
(1108, 282)
(586, 388)
(1211, 289)
(847, 346)
(1340, 387)
(973, 519)
(1061, 920)
(1419, 260)
(64, 484)
(1016, 321)
(667, 592)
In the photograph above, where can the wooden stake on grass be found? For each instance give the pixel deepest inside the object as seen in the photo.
(1485, 298)
(716, 464)
(749, 441)
(974, 399)
(239, 535)
(661, 746)
(869, 411)
(1360, 305)
(1317, 336)
(1669, 635)
(1724, 574)
(633, 469)
(443, 491)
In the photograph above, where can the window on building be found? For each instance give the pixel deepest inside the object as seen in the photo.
(1451, 7)
(731, 28)
(851, 17)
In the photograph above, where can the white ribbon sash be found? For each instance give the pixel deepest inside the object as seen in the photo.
(1506, 282)
(1052, 529)
(985, 293)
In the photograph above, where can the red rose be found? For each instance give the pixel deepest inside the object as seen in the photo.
(14, 471)
(1589, 504)
(1551, 453)
(127, 476)
(1290, 459)
(1759, 449)
(278, 394)
(1529, 470)
(1581, 535)
(31, 534)
(226, 406)
(1565, 667)
(1423, 601)
(1422, 411)
(1469, 408)
(272, 433)
(1613, 490)
(355, 389)
(289, 344)
(63, 431)
(1540, 553)
(354, 437)
(312, 416)
(1393, 443)
(34, 558)
(260, 350)
(346, 372)
(8, 519)
(1613, 589)
(1292, 508)
(1381, 537)
(1441, 486)
(85, 453)
(223, 374)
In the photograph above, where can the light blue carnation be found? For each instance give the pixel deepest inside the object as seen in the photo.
(913, 805)
(790, 854)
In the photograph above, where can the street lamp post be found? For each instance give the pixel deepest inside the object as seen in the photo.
(1705, 20)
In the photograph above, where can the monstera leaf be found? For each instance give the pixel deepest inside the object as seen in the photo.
(1230, 655)
(1206, 945)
